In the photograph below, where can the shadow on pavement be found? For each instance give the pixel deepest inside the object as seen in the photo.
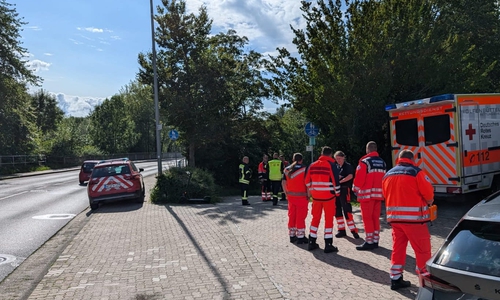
(116, 207)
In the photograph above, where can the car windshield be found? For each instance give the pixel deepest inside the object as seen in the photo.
(111, 171)
(474, 247)
(87, 167)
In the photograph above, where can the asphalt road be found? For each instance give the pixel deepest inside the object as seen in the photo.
(34, 208)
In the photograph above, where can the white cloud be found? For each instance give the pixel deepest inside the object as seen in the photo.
(35, 28)
(115, 37)
(77, 106)
(76, 42)
(37, 65)
(48, 54)
(91, 29)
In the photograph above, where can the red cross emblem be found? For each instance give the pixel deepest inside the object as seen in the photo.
(470, 132)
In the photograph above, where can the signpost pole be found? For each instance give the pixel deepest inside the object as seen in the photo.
(155, 88)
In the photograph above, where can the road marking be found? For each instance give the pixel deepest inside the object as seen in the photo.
(14, 195)
(55, 217)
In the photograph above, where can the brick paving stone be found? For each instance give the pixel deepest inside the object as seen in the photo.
(223, 251)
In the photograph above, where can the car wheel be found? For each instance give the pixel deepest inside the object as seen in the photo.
(94, 206)
(495, 186)
(142, 197)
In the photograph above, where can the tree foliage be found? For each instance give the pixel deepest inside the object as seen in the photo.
(357, 56)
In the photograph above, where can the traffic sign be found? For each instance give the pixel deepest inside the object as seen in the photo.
(173, 134)
(312, 140)
(309, 148)
(311, 130)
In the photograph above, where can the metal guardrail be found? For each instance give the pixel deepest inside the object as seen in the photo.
(43, 160)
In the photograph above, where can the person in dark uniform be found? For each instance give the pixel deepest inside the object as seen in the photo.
(244, 180)
(343, 207)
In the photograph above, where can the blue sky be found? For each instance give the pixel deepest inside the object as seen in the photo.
(86, 50)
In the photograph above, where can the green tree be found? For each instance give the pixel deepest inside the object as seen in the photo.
(112, 128)
(17, 131)
(207, 82)
(47, 113)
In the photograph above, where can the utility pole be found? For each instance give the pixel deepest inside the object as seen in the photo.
(155, 87)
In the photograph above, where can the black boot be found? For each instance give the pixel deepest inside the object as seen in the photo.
(355, 234)
(365, 246)
(375, 245)
(244, 202)
(302, 240)
(275, 201)
(329, 248)
(312, 244)
(340, 234)
(293, 239)
(399, 283)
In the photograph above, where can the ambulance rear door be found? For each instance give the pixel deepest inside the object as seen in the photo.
(480, 129)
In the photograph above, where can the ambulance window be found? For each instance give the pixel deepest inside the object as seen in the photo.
(407, 132)
(436, 129)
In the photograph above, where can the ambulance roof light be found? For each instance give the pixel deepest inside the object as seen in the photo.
(442, 98)
(390, 106)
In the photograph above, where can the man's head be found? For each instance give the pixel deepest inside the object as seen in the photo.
(371, 147)
(282, 158)
(339, 157)
(245, 159)
(275, 155)
(265, 158)
(326, 151)
(297, 157)
(406, 154)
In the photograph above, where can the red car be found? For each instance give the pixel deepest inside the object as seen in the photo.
(86, 170)
(114, 180)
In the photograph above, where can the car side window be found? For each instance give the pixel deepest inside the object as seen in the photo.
(134, 167)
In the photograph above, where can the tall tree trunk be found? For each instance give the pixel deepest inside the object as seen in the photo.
(191, 154)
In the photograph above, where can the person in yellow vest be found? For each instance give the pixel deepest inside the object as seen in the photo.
(244, 180)
(275, 176)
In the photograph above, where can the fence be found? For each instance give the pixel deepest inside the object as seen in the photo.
(68, 161)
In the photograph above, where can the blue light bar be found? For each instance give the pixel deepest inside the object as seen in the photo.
(442, 98)
(420, 101)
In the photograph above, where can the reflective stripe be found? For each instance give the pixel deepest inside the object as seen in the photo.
(297, 194)
(407, 217)
(244, 181)
(300, 171)
(376, 170)
(403, 208)
(321, 188)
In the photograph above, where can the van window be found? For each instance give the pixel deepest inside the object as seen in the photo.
(407, 132)
(437, 129)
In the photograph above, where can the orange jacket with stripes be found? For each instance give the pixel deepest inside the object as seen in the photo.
(408, 192)
(322, 179)
(367, 183)
(294, 177)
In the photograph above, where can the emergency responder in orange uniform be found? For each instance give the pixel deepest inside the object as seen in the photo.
(263, 173)
(321, 180)
(343, 207)
(296, 192)
(244, 180)
(275, 176)
(368, 188)
(408, 194)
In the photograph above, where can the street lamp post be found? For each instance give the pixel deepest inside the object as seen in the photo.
(155, 88)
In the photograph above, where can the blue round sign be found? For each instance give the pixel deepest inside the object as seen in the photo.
(173, 134)
(311, 130)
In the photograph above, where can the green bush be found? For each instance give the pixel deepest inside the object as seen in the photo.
(173, 184)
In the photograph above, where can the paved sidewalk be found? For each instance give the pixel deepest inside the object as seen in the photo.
(223, 251)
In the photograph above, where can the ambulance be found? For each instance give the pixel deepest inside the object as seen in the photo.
(455, 139)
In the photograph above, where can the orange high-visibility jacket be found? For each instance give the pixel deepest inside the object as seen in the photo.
(294, 176)
(407, 191)
(262, 171)
(322, 179)
(368, 179)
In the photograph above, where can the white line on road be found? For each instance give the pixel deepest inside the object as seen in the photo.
(14, 195)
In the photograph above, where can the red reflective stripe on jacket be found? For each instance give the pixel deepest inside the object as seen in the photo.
(368, 179)
(407, 190)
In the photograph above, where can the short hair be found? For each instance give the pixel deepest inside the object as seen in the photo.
(245, 158)
(275, 155)
(297, 157)
(406, 153)
(371, 146)
(339, 153)
(326, 151)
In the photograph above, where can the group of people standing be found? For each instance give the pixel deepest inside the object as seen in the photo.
(327, 182)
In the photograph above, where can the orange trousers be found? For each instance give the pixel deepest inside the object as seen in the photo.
(297, 214)
(370, 212)
(318, 207)
(420, 240)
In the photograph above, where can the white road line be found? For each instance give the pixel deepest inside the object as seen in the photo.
(14, 195)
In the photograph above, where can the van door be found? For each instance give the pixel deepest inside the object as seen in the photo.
(471, 140)
(405, 136)
(438, 151)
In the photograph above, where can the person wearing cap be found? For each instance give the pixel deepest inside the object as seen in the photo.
(343, 207)
(408, 193)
